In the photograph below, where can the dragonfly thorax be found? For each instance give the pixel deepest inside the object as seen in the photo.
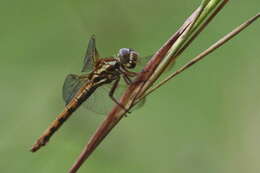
(128, 57)
(107, 66)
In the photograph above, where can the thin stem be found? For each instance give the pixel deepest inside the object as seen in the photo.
(183, 43)
(197, 18)
(204, 54)
(220, 7)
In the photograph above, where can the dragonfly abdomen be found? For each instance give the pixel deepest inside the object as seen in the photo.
(76, 101)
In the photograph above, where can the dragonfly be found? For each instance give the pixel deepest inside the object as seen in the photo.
(102, 75)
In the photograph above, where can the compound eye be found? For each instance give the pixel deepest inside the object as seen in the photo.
(124, 55)
(124, 52)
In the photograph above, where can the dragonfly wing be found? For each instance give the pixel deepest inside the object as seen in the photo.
(71, 85)
(141, 62)
(140, 104)
(144, 60)
(99, 102)
(91, 56)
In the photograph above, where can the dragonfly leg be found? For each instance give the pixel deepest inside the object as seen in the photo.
(111, 95)
(127, 79)
(127, 74)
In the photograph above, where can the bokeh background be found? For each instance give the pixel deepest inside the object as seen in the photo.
(205, 120)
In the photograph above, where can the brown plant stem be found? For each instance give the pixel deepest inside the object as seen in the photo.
(128, 98)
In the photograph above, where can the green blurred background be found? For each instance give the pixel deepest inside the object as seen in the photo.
(204, 121)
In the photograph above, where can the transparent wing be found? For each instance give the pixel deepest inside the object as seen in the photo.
(91, 56)
(140, 104)
(142, 61)
(99, 102)
(71, 85)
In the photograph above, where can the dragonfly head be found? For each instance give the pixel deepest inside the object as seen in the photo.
(128, 57)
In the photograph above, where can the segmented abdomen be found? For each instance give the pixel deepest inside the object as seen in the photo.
(79, 98)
